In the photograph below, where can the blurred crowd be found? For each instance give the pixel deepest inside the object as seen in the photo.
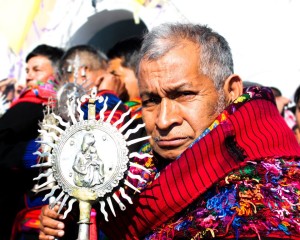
(48, 69)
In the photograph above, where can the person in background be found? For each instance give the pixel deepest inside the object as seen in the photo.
(7, 91)
(82, 62)
(220, 169)
(282, 105)
(6, 87)
(42, 65)
(87, 67)
(19, 130)
(296, 111)
(122, 63)
(113, 75)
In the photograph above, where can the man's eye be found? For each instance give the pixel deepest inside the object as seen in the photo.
(150, 102)
(36, 69)
(183, 95)
(115, 73)
(187, 93)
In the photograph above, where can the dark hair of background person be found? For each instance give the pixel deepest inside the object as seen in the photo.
(127, 50)
(276, 92)
(297, 95)
(52, 53)
(296, 100)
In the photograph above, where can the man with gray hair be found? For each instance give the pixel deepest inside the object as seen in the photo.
(225, 164)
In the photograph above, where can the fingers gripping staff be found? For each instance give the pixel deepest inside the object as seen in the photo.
(87, 160)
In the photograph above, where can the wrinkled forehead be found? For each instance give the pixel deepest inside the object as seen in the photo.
(178, 67)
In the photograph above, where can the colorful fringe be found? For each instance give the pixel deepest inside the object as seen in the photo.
(256, 201)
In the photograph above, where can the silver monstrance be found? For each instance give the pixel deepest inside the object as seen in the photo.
(86, 159)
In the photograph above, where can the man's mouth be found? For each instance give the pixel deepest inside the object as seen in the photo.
(29, 80)
(170, 142)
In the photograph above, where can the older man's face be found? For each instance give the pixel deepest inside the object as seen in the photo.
(178, 102)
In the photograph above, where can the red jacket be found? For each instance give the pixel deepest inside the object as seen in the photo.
(253, 131)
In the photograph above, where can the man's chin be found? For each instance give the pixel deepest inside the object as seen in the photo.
(169, 154)
(31, 83)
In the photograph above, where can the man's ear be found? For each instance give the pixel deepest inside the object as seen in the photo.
(233, 87)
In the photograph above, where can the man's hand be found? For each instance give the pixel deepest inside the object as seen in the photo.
(50, 226)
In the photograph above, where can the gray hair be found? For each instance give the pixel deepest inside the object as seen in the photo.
(89, 56)
(215, 53)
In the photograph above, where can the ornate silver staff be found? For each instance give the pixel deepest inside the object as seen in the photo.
(88, 159)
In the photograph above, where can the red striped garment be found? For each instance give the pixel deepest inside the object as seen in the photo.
(253, 131)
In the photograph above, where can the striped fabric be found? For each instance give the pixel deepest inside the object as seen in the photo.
(252, 132)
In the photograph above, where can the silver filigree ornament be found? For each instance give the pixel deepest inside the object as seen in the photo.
(87, 159)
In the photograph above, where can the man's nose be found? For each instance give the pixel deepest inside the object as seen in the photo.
(168, 114)
(29, 75)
